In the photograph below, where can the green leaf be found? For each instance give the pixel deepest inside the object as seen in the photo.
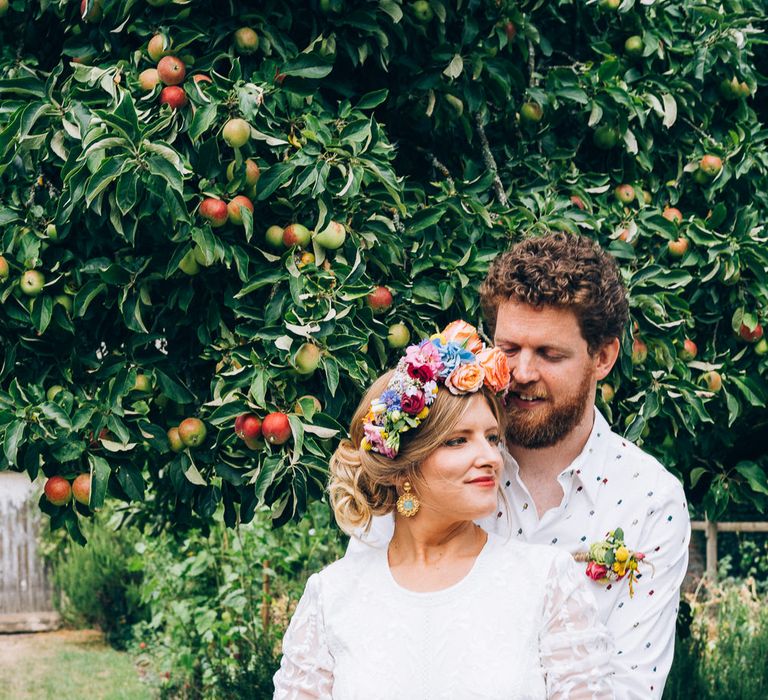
(310, 66)
(14, 433)
(755, 476)
(173, 388)
(100, 471)
(203, 120)
(108, 171)
(372, 99)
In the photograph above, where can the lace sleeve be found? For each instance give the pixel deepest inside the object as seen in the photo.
(576, 648)
(306, 669)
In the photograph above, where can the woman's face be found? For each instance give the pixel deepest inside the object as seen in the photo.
(460, 479)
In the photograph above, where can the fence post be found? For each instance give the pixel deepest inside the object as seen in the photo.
(265, 596)
(711, 533)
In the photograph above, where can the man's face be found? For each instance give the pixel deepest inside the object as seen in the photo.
(553, 375)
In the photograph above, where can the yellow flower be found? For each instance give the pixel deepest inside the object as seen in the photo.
(622, 554)
(365, 444)
(423, 413)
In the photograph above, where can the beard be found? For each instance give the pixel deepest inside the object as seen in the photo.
(544, 427)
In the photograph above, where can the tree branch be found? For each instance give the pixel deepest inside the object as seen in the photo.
(490, 163)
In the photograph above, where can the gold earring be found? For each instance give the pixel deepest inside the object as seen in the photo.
(408, 505)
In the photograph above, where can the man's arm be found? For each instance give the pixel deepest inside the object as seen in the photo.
(644, 626)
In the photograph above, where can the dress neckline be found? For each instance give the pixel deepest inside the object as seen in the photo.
(482, 555)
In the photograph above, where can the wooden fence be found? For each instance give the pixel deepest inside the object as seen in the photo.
(711, 529)
(24, 582)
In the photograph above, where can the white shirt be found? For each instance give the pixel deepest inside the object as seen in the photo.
(357, 633)
(611, 484)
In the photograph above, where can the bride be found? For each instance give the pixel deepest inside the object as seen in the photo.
(448, 611)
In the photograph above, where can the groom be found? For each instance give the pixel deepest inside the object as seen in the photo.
(557, 307)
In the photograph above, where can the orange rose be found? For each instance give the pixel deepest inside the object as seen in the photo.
(465, 379)
(494, 362)
(463, 334)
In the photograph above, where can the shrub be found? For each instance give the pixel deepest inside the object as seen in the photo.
(723, 654)
(100, 584)
(220, 602)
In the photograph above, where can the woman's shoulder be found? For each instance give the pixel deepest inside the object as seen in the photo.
(514, 553)
(348, 570)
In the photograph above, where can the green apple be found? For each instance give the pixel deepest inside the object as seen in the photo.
(188, 264)
(246, 40)
(307, 358)
(32, 283)
(274, 236)
(236, 132)
(332, 236)
(398, 335)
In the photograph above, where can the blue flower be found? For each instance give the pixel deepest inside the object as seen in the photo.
(391, 398)
(452, 355)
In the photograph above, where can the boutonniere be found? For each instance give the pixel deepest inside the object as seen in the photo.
(611, 560)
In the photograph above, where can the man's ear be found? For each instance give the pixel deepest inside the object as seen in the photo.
(605, 358)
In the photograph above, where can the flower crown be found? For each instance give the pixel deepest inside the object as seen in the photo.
(456, 357)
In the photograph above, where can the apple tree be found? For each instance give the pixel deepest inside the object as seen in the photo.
(219, 221)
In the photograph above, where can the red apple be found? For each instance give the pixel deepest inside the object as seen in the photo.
(751, 335)
(192, 432)
(215, 211)
(672, 214)
(678, 248)
(625, 194)
(607, 392)
(248, 426)
(81, 488)
(379, 300)
(58, 491)
(711, 165)
(510, 30)
(234, 206)
(296, 234)
(276, 429)
(5, 269)
(171, 70)
(174, 96)
(639, 351)
(174, 440)
(689, 350)
(148, 79)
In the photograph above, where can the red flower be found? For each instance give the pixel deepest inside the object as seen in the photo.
(413, 403)
(596, 571)
(424, 373)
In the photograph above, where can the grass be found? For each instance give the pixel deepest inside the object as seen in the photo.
(66, 666)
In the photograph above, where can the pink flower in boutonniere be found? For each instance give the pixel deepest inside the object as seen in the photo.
(596, 571)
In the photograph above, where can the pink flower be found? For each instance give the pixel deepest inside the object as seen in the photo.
(425, 354)
(596, 571)
(413, 402)
(424, 373)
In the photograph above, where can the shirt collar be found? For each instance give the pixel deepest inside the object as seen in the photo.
(585, 466)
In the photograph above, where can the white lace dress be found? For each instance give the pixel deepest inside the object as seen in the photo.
(520, 625)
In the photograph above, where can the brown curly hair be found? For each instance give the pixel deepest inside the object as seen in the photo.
(564, 271)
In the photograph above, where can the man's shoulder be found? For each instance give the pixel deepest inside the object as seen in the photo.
(642, 469)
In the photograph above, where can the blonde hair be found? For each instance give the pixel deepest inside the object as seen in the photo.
(364, 484)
